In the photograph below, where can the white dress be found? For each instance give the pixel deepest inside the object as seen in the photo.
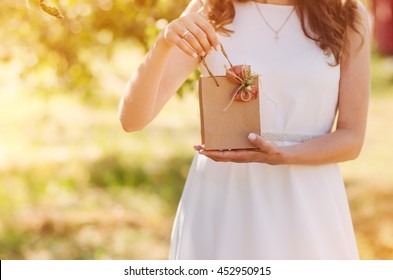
(258, 211)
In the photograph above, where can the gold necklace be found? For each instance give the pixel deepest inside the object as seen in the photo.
(276, 32)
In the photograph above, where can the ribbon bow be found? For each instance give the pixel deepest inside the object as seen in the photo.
(241, 75)
(248, 83)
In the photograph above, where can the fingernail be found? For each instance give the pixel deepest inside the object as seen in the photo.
(217, 47)
(252, 136)
(195, 55)
(203, 53)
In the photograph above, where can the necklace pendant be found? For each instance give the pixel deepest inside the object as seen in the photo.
(276, 31)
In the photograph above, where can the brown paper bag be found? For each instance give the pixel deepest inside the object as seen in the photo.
(225, 122)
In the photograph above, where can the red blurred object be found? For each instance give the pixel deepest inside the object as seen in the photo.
(383, 25)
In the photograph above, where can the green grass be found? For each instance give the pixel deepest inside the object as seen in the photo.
(73, 185)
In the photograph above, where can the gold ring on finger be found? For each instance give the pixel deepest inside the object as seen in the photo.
(185, 34)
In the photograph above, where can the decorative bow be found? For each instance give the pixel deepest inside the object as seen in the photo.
(248, 83)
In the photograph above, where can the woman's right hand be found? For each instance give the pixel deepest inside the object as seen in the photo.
(193, 34)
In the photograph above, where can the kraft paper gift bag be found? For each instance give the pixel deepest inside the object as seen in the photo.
(229, 108)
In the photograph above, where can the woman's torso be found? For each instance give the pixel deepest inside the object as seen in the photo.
(299, 89)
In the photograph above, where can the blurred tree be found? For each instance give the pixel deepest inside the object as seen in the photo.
(64, 49)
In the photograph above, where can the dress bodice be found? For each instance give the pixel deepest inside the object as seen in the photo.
(298, 86)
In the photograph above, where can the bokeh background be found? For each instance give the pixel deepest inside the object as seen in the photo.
(73, 185)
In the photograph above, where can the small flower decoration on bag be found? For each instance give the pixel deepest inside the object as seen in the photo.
(241, 75)
(248, 83)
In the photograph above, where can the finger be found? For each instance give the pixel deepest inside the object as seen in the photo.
(175, 33)
(194, 40)
(201, 37)
(197, 32)
(257, 141)
(198, 147)
(210, 32)
(209, 39)
(215, 155)
(172, 36)
(260, 143)
(240, 156)
(186, 48)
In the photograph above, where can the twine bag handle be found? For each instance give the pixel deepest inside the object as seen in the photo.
(203, 62)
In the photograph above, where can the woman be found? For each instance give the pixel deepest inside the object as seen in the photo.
(286, 199)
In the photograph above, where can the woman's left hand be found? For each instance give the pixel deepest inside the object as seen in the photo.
(265, 152)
